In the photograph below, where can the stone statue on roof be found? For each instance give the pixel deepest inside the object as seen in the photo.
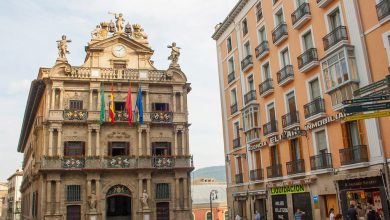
(119, 22)
(62, 46)
(175, 54)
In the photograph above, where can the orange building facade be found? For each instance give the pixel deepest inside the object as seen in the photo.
(285, 68)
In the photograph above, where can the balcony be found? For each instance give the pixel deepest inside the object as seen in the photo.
(383, 9)
(231, 77)
(295, 167)
(236, 143)
(353, 155)
(323, 3)
(233, 108)
(262, 50)
(270, 128)
(239, 178)
(308, 60)
(285, 75)
(274, 171)
(321, 161)
(246, 63)
(290, 120)
(250, 96)
(73, 163)
(266, 88)
(75, 115)
(315, 109)
(338, 36)
(279, 34)
(256, 175)
(300, 16)
(161, 117)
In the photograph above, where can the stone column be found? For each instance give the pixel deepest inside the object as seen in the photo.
(98, 193)
(181, 103)
(177, 196)
(47, 103)
(183, 141)
(140, 188)
(51, 141)
(48, 197)
(185, 189)
(139, 142)
(53, 98)
(174, 102)
(147, 105)
(62, 91)
(89, 141)
(97, 142)
(175, 153)
(60, 151)
(90, 99)
(99, 101)
(148, 142)
(88, 188)
(58, 194)
(188, 141)
(148, 186)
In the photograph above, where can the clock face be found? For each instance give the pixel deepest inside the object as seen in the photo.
(119, 50)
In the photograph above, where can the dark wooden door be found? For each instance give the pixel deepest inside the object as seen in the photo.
(302, 201)
(73, 212)
(162, 210)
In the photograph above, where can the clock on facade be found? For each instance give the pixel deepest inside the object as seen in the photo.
(119, 50)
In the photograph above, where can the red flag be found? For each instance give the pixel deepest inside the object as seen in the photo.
(129, 106)
(112, 107)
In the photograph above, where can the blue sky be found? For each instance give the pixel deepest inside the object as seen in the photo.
(28, 41)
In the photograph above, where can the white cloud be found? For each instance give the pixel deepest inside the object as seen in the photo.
(20, 86)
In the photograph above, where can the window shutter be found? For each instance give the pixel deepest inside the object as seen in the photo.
(361, 129)
(344, 133)
(109, 153)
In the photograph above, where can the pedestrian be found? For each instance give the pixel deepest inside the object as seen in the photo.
(298, 214)
(338, 217)
(360, 212)
(257, 216)
(238, 217)
(352, 213)
(331, 214)
(372, 214)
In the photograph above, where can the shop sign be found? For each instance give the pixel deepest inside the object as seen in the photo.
(279, 205)
(361, 183)
(367, 116)
(257, 146)
(325, 121)
(315, 201)
(289, 134)
(288, 189)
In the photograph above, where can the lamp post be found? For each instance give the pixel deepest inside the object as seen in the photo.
(213, 196)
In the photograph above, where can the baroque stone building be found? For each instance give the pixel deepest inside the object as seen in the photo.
(77, 164)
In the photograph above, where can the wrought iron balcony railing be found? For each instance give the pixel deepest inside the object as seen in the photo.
(270, 127)
(290, 118)
(274, 171)
(161, 117)
(259, 14)
(337, 35)
(250, 96)
(383, 9)
(261, 49)
(231, 77)
(246, 62)
(75, 115)
(352, 155)
(266, 86)
(256, 174)
(279, 32)
(239, 178)
(295, 167)
(285, 73)
(317, 106)
(301, 11)
(233, 108)
(236, 143)
(307, 57)
(321, 161)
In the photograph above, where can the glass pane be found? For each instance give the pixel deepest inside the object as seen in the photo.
(315, 89)
(321, 141)
(353, 133)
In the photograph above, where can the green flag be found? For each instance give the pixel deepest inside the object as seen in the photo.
(103, 105)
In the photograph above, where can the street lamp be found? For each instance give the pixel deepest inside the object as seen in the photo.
(213, 196)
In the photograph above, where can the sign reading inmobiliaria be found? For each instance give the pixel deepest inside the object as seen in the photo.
(325, 121)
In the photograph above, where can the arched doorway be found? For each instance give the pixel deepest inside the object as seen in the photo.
(118, 203)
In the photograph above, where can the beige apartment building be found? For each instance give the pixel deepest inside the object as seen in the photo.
(82, 157)
(285, 68)
(14, 196)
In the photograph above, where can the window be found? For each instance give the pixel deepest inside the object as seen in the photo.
(290, 98)
(321, 142)
(208, 216)
(251, 123)
(162, 191)
(230, 65)
(307, 41)
(284, 57)
(262, 34)
(119, 106)
(251, 85)
(274, 155)
(160, 107)
(229, 44)
(74, 148)
(119, 66)
(238, 165)
(73, 193)
(353, 133)
(259, 12)
(161, 148)
(295, 149)
(233, 97)
(271, 112)
(266, 71)
(236, 130)
(244, 27)
(300, 2)
(34, 207)
(118, 149)
(334, 19)
(314, 89)
(76, 104)
(279, 17)
(257, 160)
(247, 49)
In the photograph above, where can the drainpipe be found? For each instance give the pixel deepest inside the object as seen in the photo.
(363, 37)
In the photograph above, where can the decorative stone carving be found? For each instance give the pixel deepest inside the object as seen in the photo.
(119, 162)
(139, 35)
(62, 46)
(118, 189)
(73, 163)
(144, 200)
(119, 22)
(118, 135)
(161, 117)
(92, 202)
(175, 54)
(163, 162)
(78, 115)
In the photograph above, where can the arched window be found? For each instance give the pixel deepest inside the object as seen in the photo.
(208, 216)
(226, 215)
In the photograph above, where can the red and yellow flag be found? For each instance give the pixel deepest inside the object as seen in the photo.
(112, 107)
(129, 106)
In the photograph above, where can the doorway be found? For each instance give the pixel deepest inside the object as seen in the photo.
(118, 203)
(302, 201)
(162, 210)
(73, 212)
